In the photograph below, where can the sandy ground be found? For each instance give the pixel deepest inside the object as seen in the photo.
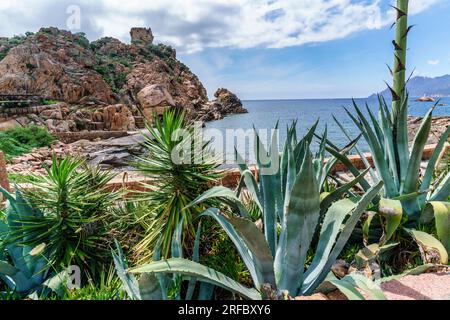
(428, 286)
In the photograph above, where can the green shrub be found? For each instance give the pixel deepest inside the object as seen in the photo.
(17, 141)
(3, 55)
(49, 102)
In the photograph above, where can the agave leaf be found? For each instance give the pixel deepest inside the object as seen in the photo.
(258, 261)
(413, 272)
(347, 288)
(239, 242)
(301, 221)
(339, 192)
(441, 212)
(129, 282)
(350, 166)
(377, 128)
(377, 153)
(312, 283)
(443, 190)
(431, 249)
(7, 269)
(240, 161)
(411, 181)
(193, 269)
(319, 159)
(249, 181)
(270, 186)
(163, 279)
(226, 195)
(371, 253)
(390, 145)
(195, 258)
(149, 287)
(368, 286)
(358, 151)
(331, 226)
(392, 212)
(428, 176)
(280, 255)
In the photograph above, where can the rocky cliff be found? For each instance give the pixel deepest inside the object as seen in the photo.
(102, 84)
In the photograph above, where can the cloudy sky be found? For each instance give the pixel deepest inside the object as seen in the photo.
(260, 49)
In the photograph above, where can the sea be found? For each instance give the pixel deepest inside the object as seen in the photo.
(236, 131)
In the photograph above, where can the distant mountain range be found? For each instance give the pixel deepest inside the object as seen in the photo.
(424, 86)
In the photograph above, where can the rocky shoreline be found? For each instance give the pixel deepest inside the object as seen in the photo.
(116, 153)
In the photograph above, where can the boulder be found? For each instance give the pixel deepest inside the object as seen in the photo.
(154, 99)
(226, 103)
(118, 118)
(426, 99)
(10, 124)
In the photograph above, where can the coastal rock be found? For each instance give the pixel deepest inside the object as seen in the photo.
(226, 103)
(426, 99)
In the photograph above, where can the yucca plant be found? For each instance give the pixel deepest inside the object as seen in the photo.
(407, 193)
(293, 214)
(173, 184)
(72, 199)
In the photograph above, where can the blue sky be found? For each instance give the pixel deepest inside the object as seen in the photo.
(261, 49)
(351, 67)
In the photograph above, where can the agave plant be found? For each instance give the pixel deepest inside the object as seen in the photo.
(162, 287)
(72, 199)
(174, 185)
(395, 164)
(24, 268)
(293, 214)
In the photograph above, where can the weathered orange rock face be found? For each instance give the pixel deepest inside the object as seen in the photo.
(58, 65)
(118, 118)
(182, 88)
(52, 64)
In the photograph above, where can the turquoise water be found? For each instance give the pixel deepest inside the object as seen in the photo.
(263, 114)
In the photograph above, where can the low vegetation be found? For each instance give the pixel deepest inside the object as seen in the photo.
(21, 140)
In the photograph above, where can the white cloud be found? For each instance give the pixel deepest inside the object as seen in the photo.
(433, 62)
(192, 25)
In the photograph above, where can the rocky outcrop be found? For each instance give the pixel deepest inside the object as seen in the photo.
(426, 99)
(62, 66)
(226, 103)
(181, 88)
(54, 64)
(141, 36)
